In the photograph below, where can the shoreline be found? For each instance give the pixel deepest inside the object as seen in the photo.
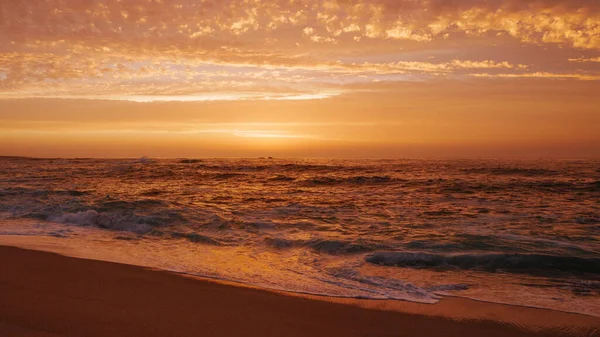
(46, 244)
(36, 286)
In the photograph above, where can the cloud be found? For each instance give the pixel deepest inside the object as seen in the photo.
(585, 60)
(280, 48)
(180, 22)
(543, 75)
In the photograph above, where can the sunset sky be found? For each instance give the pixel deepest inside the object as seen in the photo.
(330, 78)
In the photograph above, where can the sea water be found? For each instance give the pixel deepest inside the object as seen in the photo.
(523, 232)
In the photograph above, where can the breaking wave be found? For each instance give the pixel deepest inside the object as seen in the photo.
(512, 263)
(122, 221)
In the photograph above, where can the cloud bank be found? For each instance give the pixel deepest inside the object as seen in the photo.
(285, 49)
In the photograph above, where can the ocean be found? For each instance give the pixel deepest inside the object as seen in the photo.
(521, 232)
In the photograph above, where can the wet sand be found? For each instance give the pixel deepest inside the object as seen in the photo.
(46, 295)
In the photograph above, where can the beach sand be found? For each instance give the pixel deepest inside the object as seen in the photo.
(46, 295)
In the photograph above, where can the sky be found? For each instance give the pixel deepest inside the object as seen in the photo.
(300, 78)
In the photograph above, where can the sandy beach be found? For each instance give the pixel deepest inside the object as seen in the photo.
(45, 294)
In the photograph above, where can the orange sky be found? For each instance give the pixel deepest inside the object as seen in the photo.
(335, 78)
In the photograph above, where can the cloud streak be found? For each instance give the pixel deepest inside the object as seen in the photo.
(542, 75)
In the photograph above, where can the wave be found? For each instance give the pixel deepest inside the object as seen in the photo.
(152, 192)
(306, 167)
(190, 161)
(509, 171)
(226, 176)
(121, 219)
(124, 222)
(146, 160)
(281, 178)
(353, 180)
(545, 186)
(126, 205)
(196, 238)
(332, 247)
(16, 191)
(513, 263)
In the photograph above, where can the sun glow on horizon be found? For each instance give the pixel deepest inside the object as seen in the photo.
(268, 134)
(310, 77)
